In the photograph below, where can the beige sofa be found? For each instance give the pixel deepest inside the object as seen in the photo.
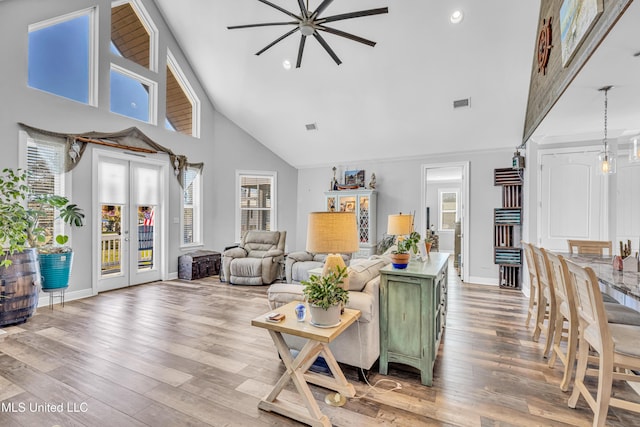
(358, 345)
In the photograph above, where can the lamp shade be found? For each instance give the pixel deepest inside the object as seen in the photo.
(332, 232)
(398, 225)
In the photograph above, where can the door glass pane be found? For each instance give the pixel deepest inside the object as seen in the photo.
(147, 182)
(146, 221)
(113, 187)
(111, 244)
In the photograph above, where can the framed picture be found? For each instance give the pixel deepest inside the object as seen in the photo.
(576, 20)
(354, 177)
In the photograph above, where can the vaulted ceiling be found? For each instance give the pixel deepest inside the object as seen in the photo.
(394, 100)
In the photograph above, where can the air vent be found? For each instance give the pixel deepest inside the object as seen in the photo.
(460, 103)
(311, 126)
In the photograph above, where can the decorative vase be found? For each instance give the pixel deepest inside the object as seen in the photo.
(324, 317)
(400, 260)
(55, 269)
(428, 247)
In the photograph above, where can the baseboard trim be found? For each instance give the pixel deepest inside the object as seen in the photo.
(44, 298)
(483, 281)
(172, 276)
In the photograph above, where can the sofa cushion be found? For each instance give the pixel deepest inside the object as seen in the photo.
(364, 302)
(361, 271)
(283, 293)
(300, 270)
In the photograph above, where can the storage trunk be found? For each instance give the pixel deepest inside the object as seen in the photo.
(199, 264)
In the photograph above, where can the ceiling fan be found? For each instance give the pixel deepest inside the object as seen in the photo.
(309, 23)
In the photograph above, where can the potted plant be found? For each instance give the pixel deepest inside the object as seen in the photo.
(428, 241)
(401, 256)
(20, 227)
(326, 297)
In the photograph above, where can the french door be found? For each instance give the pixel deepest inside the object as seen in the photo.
(129, 218)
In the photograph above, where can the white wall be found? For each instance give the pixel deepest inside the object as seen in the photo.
(223, 147)
(399, 188)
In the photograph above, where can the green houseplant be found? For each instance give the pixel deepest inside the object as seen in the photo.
(21, 214)
(401, 256)
(326, 297)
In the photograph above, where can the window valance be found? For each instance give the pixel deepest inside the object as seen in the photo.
(131, 139)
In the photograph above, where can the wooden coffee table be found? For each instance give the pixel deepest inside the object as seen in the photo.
(317, 345)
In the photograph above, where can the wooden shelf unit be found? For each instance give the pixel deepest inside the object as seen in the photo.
(507, 223)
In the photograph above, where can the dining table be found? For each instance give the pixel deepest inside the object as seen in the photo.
(624, 286)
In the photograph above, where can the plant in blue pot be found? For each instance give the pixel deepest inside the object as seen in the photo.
(55, 258)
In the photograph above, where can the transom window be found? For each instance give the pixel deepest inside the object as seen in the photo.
(132, 95)
(183, 106)
(256, 202)
(133, 34)
(62, 56)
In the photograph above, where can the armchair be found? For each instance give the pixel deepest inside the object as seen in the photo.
(298, 264)
(256, 261)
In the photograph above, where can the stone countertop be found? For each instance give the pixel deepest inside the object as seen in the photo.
(623, 285)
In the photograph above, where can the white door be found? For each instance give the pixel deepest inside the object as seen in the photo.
(128, 204)
(571, 203)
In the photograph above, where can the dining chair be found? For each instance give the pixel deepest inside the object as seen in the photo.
(566, 313)
(615, 344)
(547, 302)
(596, 247)
(534, 288)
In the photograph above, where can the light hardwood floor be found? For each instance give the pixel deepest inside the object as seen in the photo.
(181, 353)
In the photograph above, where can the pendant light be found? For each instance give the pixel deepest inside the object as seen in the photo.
(606, 159)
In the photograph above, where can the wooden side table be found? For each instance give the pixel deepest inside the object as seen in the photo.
(413, 307)
(318, 345)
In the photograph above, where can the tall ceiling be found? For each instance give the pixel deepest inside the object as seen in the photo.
(394, 100)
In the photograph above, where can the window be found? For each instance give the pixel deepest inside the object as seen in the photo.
(62, 56)
(256, 202)
(192, 207)
(183, 106)
(132, 95)
(448, 209)
(133, 34)
(45, 166)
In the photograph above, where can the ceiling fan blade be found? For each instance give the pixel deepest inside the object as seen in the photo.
(303, 39)
(279, 39)
(349, 15)
(326, 47)
(268, 3)
(303, 8)
(346, 35)
(266, 24)
(321, 8)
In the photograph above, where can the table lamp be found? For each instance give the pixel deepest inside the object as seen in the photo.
(332, 233)
(399, 224)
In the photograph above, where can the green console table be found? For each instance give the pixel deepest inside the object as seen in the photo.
(413, 307)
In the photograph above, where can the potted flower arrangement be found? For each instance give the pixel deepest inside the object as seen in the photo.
(401, 256)
(326, 297)
(428, 241)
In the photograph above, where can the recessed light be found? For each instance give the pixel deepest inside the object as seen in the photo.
(456, 16)
(286, 64)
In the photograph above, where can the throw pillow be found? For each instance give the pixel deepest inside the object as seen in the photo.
(363, 271)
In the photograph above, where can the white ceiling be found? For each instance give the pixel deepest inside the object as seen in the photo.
(390, 101)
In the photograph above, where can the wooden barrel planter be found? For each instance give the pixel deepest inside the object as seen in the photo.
(19, 287)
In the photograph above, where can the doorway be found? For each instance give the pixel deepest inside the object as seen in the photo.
(129, 228)
(445, 200)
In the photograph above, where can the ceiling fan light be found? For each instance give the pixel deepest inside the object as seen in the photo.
(456, 16)
(306, 29)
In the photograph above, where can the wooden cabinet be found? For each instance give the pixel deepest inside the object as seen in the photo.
(363, 203)
(507, 226)
(413, 309)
